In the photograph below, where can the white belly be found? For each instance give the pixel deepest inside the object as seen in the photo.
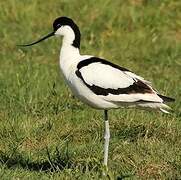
(68, 66)
(83, 93)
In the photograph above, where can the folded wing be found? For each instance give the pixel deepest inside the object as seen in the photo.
(115, 83)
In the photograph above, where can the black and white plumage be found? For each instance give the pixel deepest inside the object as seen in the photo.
(98, 82)
(118, 85)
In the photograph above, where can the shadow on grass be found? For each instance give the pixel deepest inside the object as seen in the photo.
(125, 176)
(59, 162)
(15, 160)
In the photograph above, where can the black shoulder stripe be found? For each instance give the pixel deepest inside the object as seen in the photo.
(136, 87)
(86, 62)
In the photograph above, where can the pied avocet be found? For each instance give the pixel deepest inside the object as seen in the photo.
(98, 82)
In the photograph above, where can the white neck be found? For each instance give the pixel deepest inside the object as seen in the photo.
(68, 51)
(68, 35)
(69, 55)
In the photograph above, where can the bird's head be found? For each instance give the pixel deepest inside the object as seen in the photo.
(63, 26)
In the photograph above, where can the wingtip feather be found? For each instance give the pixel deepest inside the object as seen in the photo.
(166, 99)
(166, 109)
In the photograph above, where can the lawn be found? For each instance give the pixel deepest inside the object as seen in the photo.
(46, 133)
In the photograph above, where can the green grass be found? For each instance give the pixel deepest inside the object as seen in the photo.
(46, 133)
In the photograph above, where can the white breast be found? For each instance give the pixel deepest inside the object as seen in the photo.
(68, 65)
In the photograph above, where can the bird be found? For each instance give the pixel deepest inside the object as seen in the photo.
(100, 83)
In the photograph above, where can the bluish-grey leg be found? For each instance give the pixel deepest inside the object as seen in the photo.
(106, 138)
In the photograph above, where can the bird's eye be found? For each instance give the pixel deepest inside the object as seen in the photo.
(58, 25)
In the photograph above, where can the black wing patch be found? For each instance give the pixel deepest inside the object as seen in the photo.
(86, 62)
(136, 87)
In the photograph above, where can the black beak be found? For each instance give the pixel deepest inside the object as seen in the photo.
(45, 37)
